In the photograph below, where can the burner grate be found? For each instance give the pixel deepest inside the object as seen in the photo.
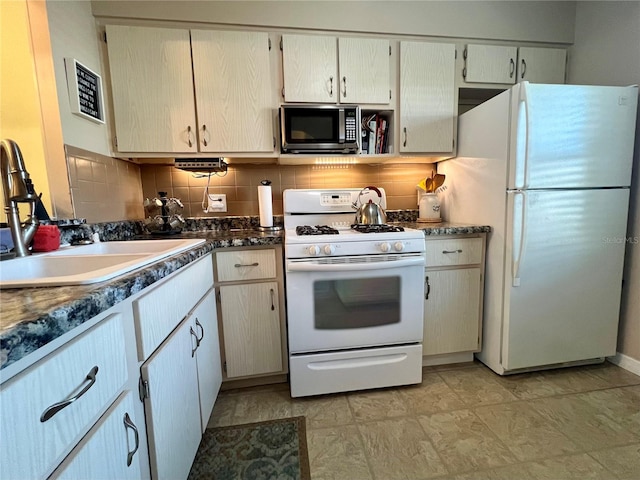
(317, 230)
(381, 228)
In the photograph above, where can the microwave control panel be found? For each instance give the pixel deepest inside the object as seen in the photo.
(350, 126)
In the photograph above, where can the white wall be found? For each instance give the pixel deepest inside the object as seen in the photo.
(550, 21)
(73, 34)
(607, 52)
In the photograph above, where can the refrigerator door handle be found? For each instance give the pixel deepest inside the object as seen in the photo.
(517, 257)
(524, 100)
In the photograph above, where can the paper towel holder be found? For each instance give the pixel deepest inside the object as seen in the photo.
(273, 228)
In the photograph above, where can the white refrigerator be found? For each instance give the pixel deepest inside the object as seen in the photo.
(548, 167)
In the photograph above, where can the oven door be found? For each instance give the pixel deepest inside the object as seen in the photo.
(349, 302)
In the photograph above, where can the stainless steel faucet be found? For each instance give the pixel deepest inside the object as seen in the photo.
(17, 187)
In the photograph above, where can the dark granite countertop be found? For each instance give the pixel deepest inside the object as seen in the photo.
(32, 317)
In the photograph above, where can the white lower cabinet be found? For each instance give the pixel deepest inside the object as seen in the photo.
(111, 450)
(250, 282)
(453, 296)
(172, 404)
(49, 407)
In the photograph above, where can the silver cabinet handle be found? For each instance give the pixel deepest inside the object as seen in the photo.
(405, 137)
(204, 137)
(239, 265)
(189, 136)
(524, 68)
(331, 86)
(56, 407)
(193, 350)
(512, 67)
(452, 251)
(426, 295)
(344, 83)
(129, 424)
(273, 307)
(201, 329)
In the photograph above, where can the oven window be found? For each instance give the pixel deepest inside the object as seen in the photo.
(312, 126)
(356, 303)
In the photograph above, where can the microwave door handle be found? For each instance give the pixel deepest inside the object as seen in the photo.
(341, 126)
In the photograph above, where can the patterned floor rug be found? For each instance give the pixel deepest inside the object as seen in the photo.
(276, 449)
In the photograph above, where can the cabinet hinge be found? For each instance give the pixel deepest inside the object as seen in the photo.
(143, 388)
(218, 296)
(389, 50)
(269, 43)
(104, 37)
(224, 367)
(281, 44)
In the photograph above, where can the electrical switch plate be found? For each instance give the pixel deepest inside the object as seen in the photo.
(216, 202)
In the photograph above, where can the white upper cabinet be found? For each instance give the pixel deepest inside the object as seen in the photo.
(312, 72)
(233, 91)
(154, 98)
(310, 68)
(508, 65)
(152, 89)
(541, 65)
(427, 97)
(364, 70)
(490, 64)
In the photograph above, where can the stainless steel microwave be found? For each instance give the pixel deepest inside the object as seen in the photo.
(308, 128)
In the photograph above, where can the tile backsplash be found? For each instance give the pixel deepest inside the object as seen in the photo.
(240, 184)
(104, 189)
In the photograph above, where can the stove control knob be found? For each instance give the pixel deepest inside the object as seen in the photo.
(328, 249)
(314, 250)
(385, 247)
(399, 246)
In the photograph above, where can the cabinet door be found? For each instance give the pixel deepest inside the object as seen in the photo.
(364, 70)
(172, 407)
(234, 100)
(451, 311)
(427, 97)
(152, 89)
(251, 327)
(205, 323)
(112, 447)
(541, 65)
(309, 65)
(490, 64)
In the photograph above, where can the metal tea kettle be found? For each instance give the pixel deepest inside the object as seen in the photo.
(370, 213)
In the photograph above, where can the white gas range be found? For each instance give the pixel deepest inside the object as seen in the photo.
(355, 297)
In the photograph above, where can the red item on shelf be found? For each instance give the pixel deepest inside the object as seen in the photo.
(46, 239)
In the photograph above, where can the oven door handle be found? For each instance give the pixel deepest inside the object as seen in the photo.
(354, 267)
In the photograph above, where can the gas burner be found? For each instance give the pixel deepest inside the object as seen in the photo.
(383, 228)
(317, 230)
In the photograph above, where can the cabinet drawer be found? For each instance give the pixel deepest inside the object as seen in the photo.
(246, 265)
(158, 312)
(35, 447)
(453, 251)
(108, 447)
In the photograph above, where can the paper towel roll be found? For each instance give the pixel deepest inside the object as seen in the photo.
(264, 205)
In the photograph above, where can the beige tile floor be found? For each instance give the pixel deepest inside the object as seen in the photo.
(464, 422)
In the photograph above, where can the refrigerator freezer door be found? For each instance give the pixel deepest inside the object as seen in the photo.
(571, 136)
(563, 275)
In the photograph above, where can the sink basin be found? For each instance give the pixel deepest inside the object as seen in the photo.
(88, 263)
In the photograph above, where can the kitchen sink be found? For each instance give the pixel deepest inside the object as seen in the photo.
(88, 263)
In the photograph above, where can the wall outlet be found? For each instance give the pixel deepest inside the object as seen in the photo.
(216, 202)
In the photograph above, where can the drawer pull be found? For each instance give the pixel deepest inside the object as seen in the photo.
(56, 407)
(273, 307)
(426, 295)
(193, 350)
(239, 265)
(129, 424)
(452, 251)
(201, 329)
